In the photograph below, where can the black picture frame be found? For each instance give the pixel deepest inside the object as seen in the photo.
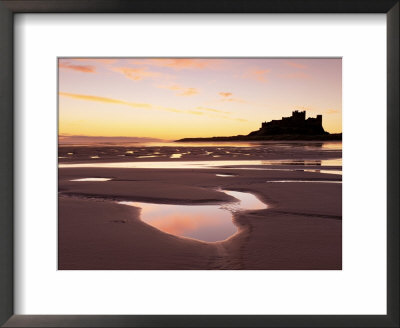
(10, 7)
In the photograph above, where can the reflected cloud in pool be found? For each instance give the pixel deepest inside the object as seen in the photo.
(204, 164)
(92, 179)
(208, 223)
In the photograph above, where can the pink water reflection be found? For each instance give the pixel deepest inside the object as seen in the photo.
(208, 223)
(206, 164)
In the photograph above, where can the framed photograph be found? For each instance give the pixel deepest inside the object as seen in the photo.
(213, 164)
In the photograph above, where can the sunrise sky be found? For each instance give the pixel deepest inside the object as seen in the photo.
(188, 97)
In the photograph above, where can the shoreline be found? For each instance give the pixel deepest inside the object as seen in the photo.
(272, 137)
(273, 158)
(301, 151)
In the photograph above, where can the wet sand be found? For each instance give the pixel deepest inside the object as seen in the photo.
(201, 152)
(300, 229)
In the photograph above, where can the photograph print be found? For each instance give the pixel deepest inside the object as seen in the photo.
(199, 163)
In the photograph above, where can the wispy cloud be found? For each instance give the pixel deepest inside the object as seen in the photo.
(106, 100)
(170, 109)
(228, 96)
(296, 75)
(212, 110)
(97, 60)
(177, 63)
(225, 94)
(180, 90)
(215, 113)
(136, 74)
(199, 110)
(295, 64)
(259, 75)
(79, 68)
(238, 100)
(195, 112)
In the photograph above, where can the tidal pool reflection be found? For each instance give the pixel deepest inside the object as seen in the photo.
(324, 171)
(246, 201)
(92, 179)
(208, 223)
(304, 181)
(206, 164)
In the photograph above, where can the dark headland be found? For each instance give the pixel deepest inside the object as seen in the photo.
(295, 127)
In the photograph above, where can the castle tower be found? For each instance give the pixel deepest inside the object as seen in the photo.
(299, 116)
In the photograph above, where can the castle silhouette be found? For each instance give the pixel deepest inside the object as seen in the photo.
(295, 127)
(295, 124)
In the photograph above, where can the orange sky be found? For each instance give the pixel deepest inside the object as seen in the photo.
(188, 97)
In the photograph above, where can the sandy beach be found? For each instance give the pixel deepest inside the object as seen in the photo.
(301, 228)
